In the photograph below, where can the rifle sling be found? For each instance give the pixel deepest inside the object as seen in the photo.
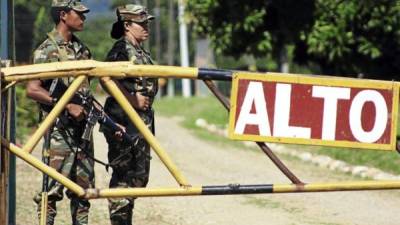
(65, 133)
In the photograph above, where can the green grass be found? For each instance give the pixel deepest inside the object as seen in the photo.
(271, 204)
(210, 109)
(384, 160)
(190, 109)
(387, 161)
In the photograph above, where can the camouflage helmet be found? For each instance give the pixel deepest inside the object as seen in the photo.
(72, 4)
(135, 13)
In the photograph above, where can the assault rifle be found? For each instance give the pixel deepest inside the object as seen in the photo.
(94, 111)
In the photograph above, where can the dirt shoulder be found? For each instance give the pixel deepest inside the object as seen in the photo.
(205, 163)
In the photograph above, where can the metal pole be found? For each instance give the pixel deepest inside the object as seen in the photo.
(52, 116)
(278, 163)
(240, 189)
(38, 164)
(107, 69)
(45, 183)
(3, 161)
(186, 89)
(10, 135)
(144, 130)
(5, 28)
(7, 52)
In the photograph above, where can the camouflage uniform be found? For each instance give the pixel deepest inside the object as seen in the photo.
(72, 163)
(131, 163)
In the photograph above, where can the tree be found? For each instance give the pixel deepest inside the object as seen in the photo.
(116, 3)
(342, 37)
(32, 22)
(354, 37)
(251, 27)
(97, 36)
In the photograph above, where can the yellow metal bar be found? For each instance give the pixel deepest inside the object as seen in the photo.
(67, 67)
(132, 70)
(8, 86)
(135, 118)
(338, 186)
(43, 168)
(95, 69)
(50, 118)
(47, 75)
(242, 189)
(317, 79)
(145, 192)
(43, 209)
(395, 115)
(119, 72)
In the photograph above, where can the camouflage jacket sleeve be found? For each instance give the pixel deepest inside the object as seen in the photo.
(118, 52)
(45, 53)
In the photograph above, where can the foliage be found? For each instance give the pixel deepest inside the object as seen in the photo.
(31, 25)
(341, 37)
(354, 37)
(116, 3)
(27, 113)
(97, 36)
(250, 27)
(386, 161)
(32, 22)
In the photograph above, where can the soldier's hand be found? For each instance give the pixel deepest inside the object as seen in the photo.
(76, 111)
(118, 134)
(142, 102)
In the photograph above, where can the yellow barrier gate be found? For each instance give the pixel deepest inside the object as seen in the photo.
(117, 70)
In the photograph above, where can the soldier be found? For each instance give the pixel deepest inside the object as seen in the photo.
(66, 153)
(131, 162)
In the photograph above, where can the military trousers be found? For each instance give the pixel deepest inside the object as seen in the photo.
(130, 161)
(77, 166)
(131, 167)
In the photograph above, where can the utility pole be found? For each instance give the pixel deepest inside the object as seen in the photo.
(146, 43)
(186, 89)
(158, 30)
(204, 58)
(171, 45)
(157, 14)
(7, 124)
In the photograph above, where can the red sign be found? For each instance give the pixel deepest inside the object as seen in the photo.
(309, 111)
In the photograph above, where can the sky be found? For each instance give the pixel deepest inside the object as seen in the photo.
(98, 8)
